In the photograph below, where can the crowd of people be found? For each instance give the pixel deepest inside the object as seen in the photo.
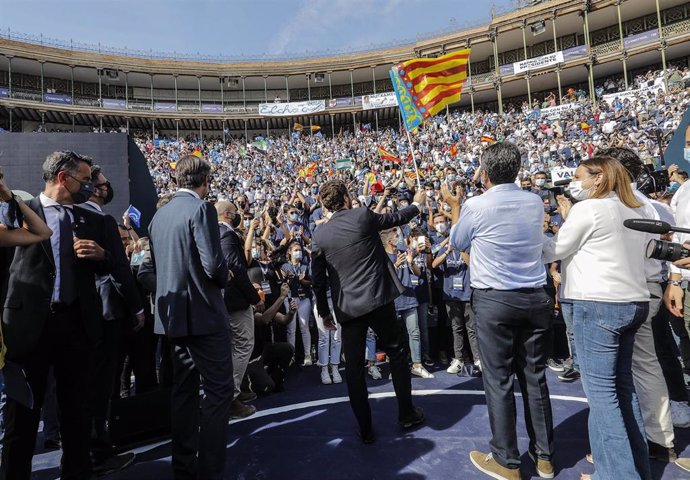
(243, 286)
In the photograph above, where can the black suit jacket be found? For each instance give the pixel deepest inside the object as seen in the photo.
(348, 256)
(239, 292)
(32, 278)
(119, 293)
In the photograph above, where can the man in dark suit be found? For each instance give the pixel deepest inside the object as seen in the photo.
(348, 257)
(121, 304)
(51, 317)
(239, 297)
(190, 275)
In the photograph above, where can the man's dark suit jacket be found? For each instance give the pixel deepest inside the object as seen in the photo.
(119, 293)
(348, 256)
(190, 268)
(32, 278)
(239, 292)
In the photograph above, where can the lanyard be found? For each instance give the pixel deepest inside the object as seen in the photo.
(264, 270)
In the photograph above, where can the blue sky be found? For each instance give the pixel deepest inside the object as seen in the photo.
(235, 27)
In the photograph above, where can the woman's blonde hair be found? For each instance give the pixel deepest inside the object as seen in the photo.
(614, 179)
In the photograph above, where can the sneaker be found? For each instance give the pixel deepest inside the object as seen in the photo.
(569, 375)
(680, 414)
(412, 421)
(336, 374)
(374, 372)
(113, 464)
(421, 372)
(240, 410)
(544, 467)
(325, 376)
(555, 365)
(455, 366)
(427, 360)
(683, 463)
(307, 362)
(478, 364)
(485, 463)
(661, 453)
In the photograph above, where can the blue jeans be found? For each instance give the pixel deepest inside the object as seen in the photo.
(409, 318)
(422, 318)
(567, 311)
(604, 338)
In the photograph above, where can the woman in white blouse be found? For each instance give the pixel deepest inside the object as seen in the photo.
(603, 273)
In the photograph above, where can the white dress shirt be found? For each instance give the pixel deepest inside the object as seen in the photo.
(603, 261)
(189, 191)
(652, 268)
(680, 204)
(51, 214)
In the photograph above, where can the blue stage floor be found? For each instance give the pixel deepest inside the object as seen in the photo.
(308, 432)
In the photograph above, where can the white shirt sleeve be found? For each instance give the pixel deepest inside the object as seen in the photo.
(575, 231)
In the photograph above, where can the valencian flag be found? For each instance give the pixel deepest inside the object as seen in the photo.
(425, 86)
(387, 156)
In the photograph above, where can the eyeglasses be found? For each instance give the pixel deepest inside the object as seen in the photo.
(75, 178)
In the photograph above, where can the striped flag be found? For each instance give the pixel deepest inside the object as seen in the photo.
(387, 156)
(425, 86)
(343, 164)
(488, 139)
(197, 152)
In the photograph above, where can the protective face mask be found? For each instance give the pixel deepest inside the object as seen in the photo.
(686, 154)
(450, 177)
(297, 255)
(429, 193)
(413, 244)
(576, 191)
(404, 204)
(246, 223)
(441, 228)
(293, 217)
(255, 254)
(540, 182)
(447, 208)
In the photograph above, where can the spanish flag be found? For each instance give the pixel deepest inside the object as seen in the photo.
(488, 139)
(425, 86)
(454, 150)
(298, 127)
(387, 156)
(197, 152)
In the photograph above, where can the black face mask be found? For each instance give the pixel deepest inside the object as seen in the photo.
(527, 189)
(236, 219)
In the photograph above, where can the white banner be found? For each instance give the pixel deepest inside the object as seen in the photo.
(635, 94)
(559, 174)
(379, 100)
(539, 62)
(554, 113)
(292, 108)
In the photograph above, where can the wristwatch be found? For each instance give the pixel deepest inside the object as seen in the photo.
(676, 283)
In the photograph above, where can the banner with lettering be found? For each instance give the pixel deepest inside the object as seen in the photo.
(538, 62)
(291, 108)
(636, 93)
(379, 100)
(560, 174)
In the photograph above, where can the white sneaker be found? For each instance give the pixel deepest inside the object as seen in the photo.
(421, 372)
(680, 414)
(307, 362)
(336, 374)
(455, 366)
(478, 364)
(374, 371)
(325, 376)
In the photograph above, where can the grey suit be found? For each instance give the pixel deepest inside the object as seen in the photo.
(190, 275)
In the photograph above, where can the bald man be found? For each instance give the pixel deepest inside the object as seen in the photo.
(241, 299)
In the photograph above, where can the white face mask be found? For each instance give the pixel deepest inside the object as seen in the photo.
(576, 191)
(255, 254)
(686, 154)
(540, 182)
(297, 255)
(441, 228)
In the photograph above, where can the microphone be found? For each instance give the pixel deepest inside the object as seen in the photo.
(652, 226)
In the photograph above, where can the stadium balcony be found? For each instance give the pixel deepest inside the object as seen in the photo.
(523, 53)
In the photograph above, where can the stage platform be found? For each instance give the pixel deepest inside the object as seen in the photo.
(308, 433)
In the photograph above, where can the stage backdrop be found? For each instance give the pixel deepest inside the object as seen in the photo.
(23, 154)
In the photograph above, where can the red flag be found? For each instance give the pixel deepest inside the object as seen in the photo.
(387, 156)
(453, 150)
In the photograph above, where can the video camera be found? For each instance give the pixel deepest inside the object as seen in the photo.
(659, 249)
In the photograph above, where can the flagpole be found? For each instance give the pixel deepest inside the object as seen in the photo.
(414, 160)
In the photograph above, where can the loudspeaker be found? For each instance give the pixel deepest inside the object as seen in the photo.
(140, 419)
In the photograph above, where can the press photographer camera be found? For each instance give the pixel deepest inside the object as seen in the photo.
(660, 249)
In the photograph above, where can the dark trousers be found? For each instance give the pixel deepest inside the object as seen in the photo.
(64, 346)
(383, 321)
(101, 384)
(51, 424)
(137, 354)
(666, 352)
(267, 373)
(198, 437)
(678, 327)
(440, 335)
(464, 333)
(513, 328)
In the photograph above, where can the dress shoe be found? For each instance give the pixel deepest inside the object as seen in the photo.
(412, 420)
(661, 453)
(246, 396)
(113, 464)
(240, 410)
(544, 467)
(367, 437)
(52, 444)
